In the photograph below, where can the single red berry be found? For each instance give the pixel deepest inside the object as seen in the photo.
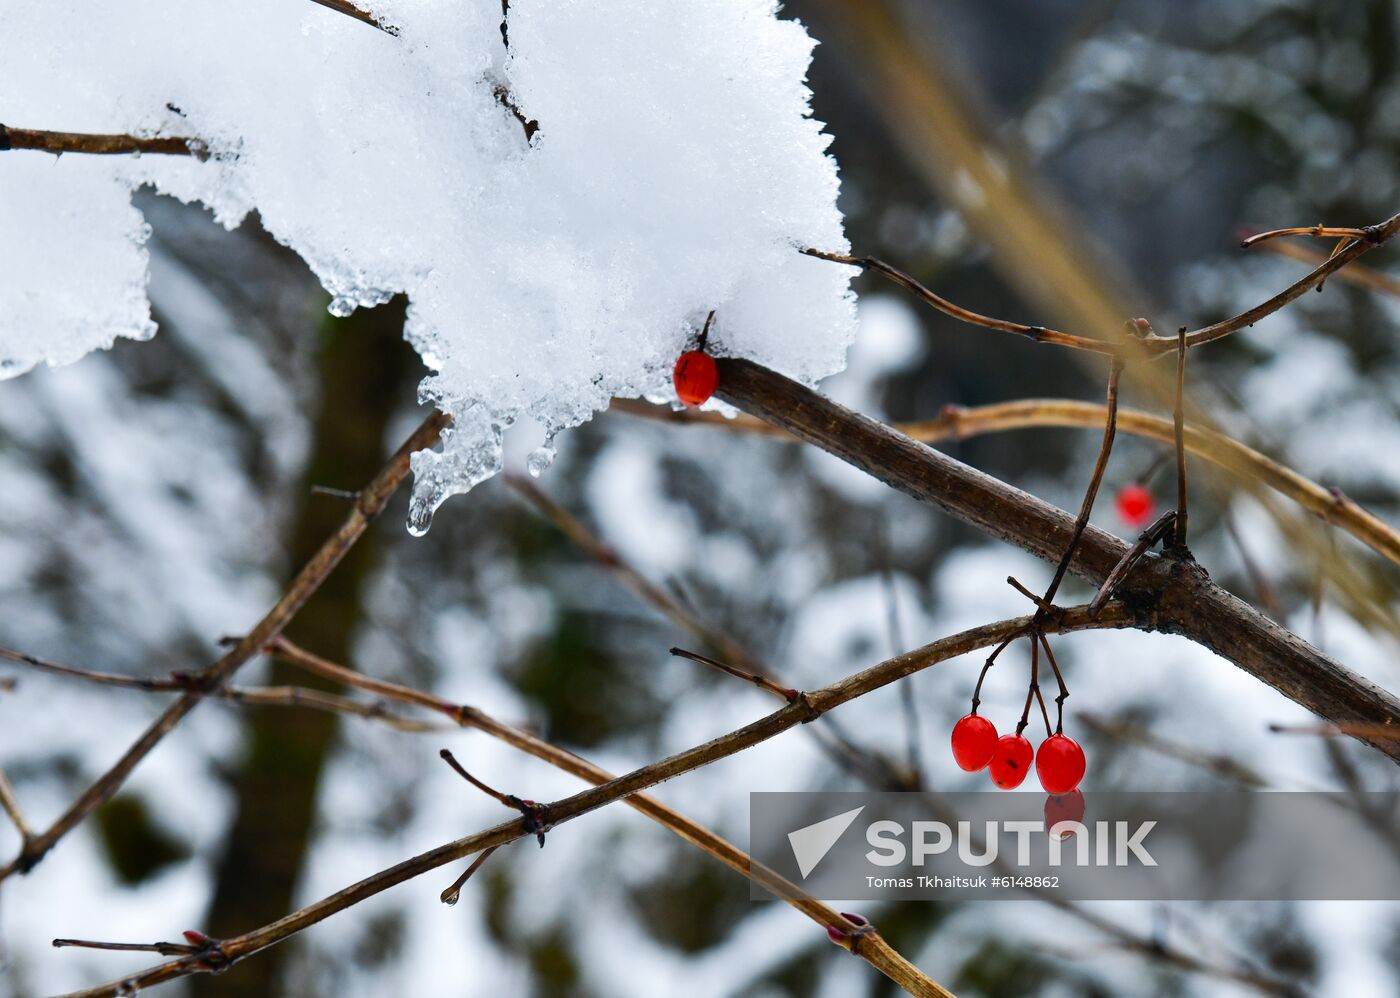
(1011, 761)
(696, 377)
(1135, 505)
(1059, 764)
(974, 741)
(1064, 807)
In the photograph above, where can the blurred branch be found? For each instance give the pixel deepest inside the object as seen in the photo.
(10, 803)
(270, 696)
(958, 423)
(1220, 765)
(871, 765)
(1180, 594)
(367, 507)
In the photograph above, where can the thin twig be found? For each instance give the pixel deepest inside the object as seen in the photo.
(1041, 334)
(1349, 729)
(913, 753)
(1086, 507)
(164, 949)
(372, 500)
(268, 696)
(88, 675)
(41, 140)
(1063, 695)
(785, 694)
(10, 803)
(1039, 601)
(454, 890)
(1318, 231)
(1367, 238)
(1179, 423)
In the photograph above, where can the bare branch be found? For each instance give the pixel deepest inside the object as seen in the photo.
(1180, 594)
(1151, 345)
(371, 502)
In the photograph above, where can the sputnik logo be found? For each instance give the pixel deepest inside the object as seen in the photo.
(811, 844)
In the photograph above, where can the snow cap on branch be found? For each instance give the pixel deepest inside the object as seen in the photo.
(675, 168)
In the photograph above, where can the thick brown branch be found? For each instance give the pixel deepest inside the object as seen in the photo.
(1180, 594)
(370, 503)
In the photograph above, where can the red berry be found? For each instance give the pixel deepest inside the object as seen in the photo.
(1059, 764)
(1135, 505)
(1011, 761)
(1064, 807)
(696, 377)
(974, 741)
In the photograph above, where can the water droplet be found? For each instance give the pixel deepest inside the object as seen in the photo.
(420, 517)
(540, 459)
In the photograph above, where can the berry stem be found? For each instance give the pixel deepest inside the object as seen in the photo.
(977, 691)
(1064, 690)
(705, 332)
(1033, 691)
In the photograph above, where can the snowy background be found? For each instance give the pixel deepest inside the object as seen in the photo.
(157, 495)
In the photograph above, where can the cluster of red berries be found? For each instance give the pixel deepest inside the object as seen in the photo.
(1059, 762)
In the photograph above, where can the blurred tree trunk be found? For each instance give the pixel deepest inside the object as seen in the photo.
(364, 364)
